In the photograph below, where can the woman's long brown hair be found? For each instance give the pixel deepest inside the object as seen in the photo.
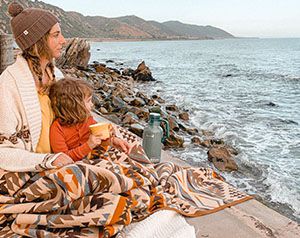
(33, 55)
(67, 100)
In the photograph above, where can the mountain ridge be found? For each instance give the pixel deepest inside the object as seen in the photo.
(75, 24)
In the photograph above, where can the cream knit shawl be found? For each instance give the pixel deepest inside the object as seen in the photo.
(20, 120)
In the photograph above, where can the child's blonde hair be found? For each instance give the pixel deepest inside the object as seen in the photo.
(67, 100)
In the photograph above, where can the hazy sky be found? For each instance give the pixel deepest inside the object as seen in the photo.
(260, 18)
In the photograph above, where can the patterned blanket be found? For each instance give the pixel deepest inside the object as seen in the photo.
(101, 194)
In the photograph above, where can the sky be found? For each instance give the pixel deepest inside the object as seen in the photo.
(242, 18)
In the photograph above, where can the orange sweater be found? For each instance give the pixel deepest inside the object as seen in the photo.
(72, 140)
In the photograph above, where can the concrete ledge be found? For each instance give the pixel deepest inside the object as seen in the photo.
(249, 219)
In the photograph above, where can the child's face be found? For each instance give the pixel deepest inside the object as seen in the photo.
(88, 103)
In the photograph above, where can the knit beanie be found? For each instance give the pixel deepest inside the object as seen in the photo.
(29, 25)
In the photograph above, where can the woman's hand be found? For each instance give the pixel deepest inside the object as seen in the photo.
(94, 140)
(62, 160)
(122, 144)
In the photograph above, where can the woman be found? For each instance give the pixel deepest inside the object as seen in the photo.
(25, 107)
(25, 112)
(93, 197)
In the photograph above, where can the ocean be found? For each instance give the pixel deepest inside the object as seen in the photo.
(245, 90)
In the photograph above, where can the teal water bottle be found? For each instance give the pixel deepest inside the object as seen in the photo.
(154, 136)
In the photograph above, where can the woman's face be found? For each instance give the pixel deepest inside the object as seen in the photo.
(56, 41)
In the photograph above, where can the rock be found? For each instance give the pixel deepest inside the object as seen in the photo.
(118, 102)
(142, 113)
(114, 118)
(103, 110)
(196, 140)
(151, 102)
(76, 53)
(155, 109)
(137, 129)
(192, 131)
(128, 72)
(100, 68)
(172, 108)
(173, 123)
(174, 140)
(109, 61)
(97, 101)
(271, 104)
(208, 143)
(158, 98)
(130, 118)
(184, 116)
(143, 73)
(222, 159)
(207, 133)
(137, 102)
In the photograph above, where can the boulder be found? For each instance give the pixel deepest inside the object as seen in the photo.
(130, 118)
(100, 68)
(158, 98)
(137, 129)
(143, 73)
(76, 53)
(192, 131)
(138, 102)
(184, 116)
(222, 159)
(172, 108)
(196, 140)
(174, 140)
(173, 123)
(128, 72)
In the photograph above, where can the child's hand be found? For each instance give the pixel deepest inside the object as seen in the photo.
(94, 140)
(122, 144)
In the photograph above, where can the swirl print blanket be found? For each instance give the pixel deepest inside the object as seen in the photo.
(98, 196)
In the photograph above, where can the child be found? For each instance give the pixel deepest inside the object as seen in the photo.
(71, 100)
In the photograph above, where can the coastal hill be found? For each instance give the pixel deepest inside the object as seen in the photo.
(75, 24)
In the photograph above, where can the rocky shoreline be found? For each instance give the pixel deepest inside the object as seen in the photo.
(118, 99)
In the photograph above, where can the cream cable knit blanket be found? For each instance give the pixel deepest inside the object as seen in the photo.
(20, 120)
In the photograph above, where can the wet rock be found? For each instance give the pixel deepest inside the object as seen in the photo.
(174, 140)
(172, 108)
(271, 104)
(143, 73)
(182, 126)
(109, 61)
(173, 123)
(192, 131)
(207, 133)
(196, 140)
(184, 116)
(208, 143)
(128, 72)
(222, 159)
(158, 98)
(137, 129)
